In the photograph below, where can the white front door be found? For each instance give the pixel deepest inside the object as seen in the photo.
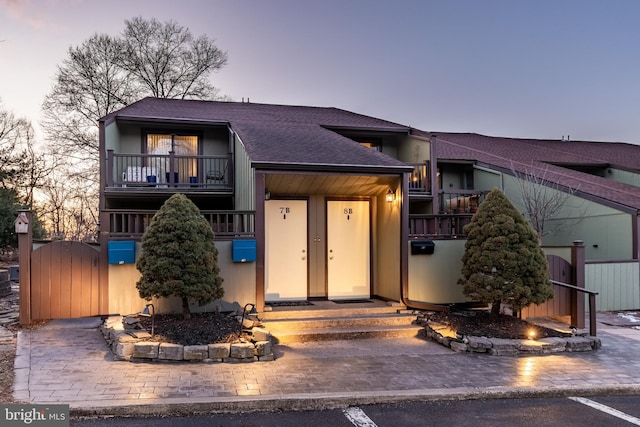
(348, 250)
(286, 255)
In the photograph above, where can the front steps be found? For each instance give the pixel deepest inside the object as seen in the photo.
(323, 322)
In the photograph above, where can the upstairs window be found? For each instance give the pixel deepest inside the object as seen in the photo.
(185, 149)
(181, 145)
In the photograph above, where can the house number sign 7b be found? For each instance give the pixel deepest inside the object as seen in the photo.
(284, 210)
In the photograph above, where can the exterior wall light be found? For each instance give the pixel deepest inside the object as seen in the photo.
(391, 196)
(253, 311)
(145, 313)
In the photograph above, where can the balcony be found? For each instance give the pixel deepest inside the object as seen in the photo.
(151, 172)
(443, 226)
(420, 179)
(226, 225)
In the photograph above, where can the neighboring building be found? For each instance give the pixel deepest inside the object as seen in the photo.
(337, 205)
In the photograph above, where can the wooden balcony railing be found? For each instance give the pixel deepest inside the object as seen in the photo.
(444, 226)
(225, 224)
(460, 201)
(420, 179)
(132, 171)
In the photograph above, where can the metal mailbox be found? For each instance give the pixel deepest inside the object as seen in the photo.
(122, 252)
(422, 247)
(243, 250)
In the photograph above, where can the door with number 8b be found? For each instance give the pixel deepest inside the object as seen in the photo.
(348, 249)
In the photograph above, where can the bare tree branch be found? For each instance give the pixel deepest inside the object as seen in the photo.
(544, 200)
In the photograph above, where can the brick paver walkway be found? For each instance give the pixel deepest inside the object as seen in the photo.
(73, 365)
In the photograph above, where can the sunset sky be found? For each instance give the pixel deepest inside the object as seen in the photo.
(539, 69)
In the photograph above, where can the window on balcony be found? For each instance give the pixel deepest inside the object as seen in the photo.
(185, 148)
(182, 145)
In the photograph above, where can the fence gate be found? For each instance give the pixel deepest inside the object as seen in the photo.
(64, 281)
(559, 270)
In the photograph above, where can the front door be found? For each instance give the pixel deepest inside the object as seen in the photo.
(285, 250)
(348, 250)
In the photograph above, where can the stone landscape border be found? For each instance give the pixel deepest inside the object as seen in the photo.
(128, 345)
(444, 335)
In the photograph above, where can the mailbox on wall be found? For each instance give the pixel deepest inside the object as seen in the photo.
(122, 252)
(422, 247)
(243, 250)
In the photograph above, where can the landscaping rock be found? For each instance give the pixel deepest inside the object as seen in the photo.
(123, 350)
(219, 351)
(575, 344)
(263, 348)
(459, 347)
(509, 347)
(146, 350)
(168, 351)
(554, 345)
(241, 351)
(260, 334)
(196, 352)
(479, 344)
(127, 344)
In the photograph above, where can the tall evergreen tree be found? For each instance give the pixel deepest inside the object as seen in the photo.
(179, 256)
(503, 261)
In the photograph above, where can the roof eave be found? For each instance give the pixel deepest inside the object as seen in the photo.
(328, 167)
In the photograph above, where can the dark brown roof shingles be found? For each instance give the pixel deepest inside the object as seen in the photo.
(520, 154)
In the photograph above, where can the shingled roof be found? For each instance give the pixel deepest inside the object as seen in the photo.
(554, 156)
(278, 134)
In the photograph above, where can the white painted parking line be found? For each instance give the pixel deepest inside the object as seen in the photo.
(358, 418)
(607, 409)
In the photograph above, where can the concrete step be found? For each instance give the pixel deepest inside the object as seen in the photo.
(294, 313)
(327, 321)
(336, 334)
(341, 321)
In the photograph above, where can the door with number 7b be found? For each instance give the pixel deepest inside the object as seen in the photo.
(348, 250)
(286, 257)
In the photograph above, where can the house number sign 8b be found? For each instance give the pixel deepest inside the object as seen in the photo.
(348, 212)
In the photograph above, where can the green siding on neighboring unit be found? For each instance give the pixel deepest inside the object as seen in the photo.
(414, 150)
(605, 231)
(626, 177)
(618, 285)
(485, 179)
(244, 178)
(433, 278)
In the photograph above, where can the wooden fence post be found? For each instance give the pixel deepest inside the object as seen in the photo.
(577, 299)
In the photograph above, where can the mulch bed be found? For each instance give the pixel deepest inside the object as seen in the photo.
(201, 329)
(482, 324)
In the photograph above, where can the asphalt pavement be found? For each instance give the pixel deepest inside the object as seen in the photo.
(68, 362)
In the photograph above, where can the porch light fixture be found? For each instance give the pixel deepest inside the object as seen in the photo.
(145, 313)
(391, 196)
(267, 194)
(244, 312)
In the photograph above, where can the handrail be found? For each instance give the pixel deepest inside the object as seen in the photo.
(592, 303)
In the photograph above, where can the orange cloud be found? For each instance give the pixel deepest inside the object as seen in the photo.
(33, 14)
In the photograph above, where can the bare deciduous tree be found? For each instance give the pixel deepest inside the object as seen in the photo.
(543, 200)
(107, 73)
(167, 61)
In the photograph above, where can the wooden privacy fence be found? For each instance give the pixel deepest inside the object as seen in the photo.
(560, 270)
(65, 281)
